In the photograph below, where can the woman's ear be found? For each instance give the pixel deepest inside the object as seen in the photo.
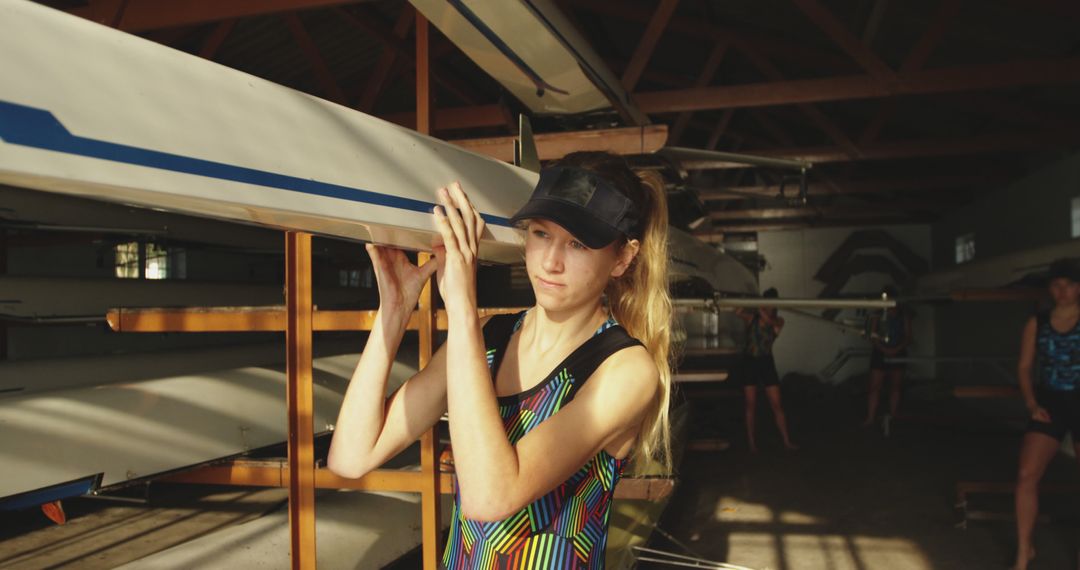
(626, 257)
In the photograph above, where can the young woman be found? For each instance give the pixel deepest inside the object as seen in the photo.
(890, 335)
(759, 368)
(1051, 344)
(547, 406)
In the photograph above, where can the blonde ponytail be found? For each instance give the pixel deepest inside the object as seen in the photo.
(639, 299)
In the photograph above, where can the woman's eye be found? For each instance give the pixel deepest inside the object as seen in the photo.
(577, 245)
(539, 233)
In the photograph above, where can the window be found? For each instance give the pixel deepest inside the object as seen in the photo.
(349, 277)
(965, 248)
(157, 262)
(127, 260)
(136, 260)
(1076, 217)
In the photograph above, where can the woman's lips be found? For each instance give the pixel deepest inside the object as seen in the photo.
(550, 284)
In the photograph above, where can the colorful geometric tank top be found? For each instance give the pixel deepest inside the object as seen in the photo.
(1059, 355)
(567, 527)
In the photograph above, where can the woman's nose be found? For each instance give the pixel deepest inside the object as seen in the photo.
(553, 261)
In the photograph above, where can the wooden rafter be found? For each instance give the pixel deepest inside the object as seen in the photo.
(988, 144)
(873, 22)
(708, 72)
(719, 130)
(811, 112)
(551, 146)
(454, 118)
(940, 24)
(216, 38)
(322, 72)
(843, 88)
(772, 127)
(769, 44)
(390, 53)
(789, 92)
(397, 52)
(653, 30)
(718, 234)
(145, 15)
(847, 212)
(1060, 8)
(942, 182)
(845, 39)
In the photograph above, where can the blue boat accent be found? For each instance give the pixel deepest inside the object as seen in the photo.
(39, 128)
(52, 493)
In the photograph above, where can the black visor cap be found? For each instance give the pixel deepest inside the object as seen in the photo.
(586, 205)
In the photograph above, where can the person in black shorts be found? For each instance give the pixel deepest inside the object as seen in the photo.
(759, 367)
(890, 334)
(1050, 344)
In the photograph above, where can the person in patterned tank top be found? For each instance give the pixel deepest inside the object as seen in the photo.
(546, 407)
(758, 369)
(1049, 344)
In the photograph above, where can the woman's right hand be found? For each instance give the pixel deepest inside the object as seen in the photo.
(1039, 414)
(399, 280)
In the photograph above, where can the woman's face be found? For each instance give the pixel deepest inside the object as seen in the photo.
(1064, 291)
(563, 271)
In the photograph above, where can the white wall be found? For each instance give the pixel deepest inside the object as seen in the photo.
(806, 346)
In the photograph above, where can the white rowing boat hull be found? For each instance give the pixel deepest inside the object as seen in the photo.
(90, 111)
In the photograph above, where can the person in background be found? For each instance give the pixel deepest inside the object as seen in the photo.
(763, 326)
(890, 334)
(1050, 344)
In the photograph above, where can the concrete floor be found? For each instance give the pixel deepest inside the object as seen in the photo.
(852, 499)
(107, 534)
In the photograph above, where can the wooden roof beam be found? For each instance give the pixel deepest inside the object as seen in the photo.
(811, 112)
(455, 118)
(848, 187)
(846, 211)
(987, 144)
(396, 51)
(717, 234)
(942, 21)
(719, 130)
(712, 64)
(322, 72)
(766, 43)
(956, 79)
(145, 15)
(1061, 8)
(653, 30)
(845, 39)
(551, 146)
(391, 51)
(216, 38)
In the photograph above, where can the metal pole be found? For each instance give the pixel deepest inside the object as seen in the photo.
(753, 302)
(691, 154)
(299, 400)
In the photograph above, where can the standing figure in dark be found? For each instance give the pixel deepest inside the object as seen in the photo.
(759, 367)
(890, 334)
(1049, 344)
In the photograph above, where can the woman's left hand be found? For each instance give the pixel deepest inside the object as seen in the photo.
(460, 227)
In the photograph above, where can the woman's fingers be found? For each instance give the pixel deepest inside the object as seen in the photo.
(449, 240)
(428, 268)
(453, 218)
(468, 214)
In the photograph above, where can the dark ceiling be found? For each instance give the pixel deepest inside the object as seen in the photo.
(908, 108)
